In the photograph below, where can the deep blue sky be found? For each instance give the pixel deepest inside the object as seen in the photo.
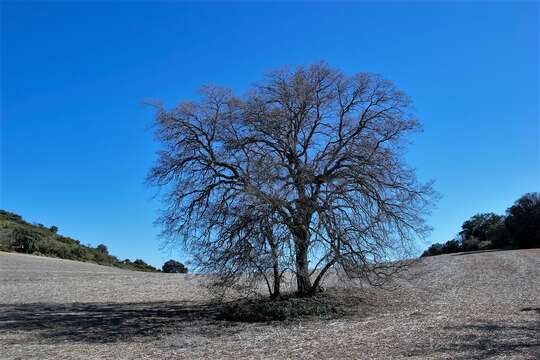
(75, 147)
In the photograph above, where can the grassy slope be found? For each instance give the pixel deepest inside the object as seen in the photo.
(45, 241)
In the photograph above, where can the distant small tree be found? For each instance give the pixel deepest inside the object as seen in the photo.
(523, 221)
(54, 229)
(102, 249)
(173, 266)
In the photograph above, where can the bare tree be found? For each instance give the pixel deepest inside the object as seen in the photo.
(303, 174)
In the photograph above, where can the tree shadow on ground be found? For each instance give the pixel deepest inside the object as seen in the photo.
(106, 323)
(486, 340)
(117, 322)
(537, 310)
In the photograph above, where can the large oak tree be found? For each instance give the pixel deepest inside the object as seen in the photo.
(302, 174)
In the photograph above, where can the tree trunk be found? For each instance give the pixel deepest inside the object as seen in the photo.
(277, 286)
(303, 281)
(275, 269)
(276, 292)
(319, 277)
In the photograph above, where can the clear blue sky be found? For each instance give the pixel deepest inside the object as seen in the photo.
(75, 147)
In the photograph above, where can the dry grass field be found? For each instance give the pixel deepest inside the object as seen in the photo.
(483, 305)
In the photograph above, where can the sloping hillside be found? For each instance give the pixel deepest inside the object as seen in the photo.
(18, 235)
(460, 306)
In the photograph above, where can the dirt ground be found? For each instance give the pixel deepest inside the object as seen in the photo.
(483, 305)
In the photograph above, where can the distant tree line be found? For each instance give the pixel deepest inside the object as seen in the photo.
(18, 235)
(519, 228)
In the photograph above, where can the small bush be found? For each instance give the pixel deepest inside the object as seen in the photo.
(54, 248)
(102, 258)
(78, 253)
(279, 310)
(435, 249)
(62, 251)
(485, 245)
(24, 240)
(470, 244)
(138, 265)
(65, 240)
(452, 246)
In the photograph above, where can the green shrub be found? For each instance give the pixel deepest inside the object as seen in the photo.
(138, 265)
(485, 245)
(11, 216)
(53, 248)
(435, 249)
(470, 244)
(78, 253)
(452, 246)
(66, 240)
(62, 251)
(102, 258)
(25, 240)
(278, 310)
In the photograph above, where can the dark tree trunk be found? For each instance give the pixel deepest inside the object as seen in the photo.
(316, 284)
(303, 281)
(275, 268)
(277, 289)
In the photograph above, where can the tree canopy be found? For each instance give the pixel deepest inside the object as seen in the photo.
(479, 225)
(523, 220)
(302, 174)
(173, 266)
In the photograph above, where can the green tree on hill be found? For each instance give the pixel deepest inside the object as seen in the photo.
(102, 249)
(523, 221)
(173, 266)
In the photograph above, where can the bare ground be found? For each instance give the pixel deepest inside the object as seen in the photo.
(462, 306)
